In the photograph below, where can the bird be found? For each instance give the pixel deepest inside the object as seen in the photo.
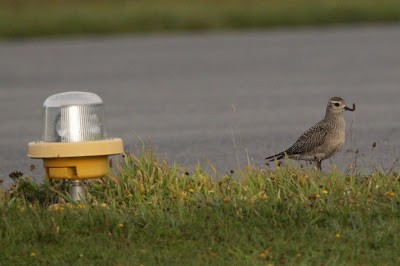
(322, 140)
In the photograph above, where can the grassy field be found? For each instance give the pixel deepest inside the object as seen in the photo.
(151, 212)
(32, 18)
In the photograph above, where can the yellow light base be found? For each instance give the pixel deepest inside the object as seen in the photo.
(76, 167)
(75, 160)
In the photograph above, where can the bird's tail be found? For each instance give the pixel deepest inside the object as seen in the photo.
(277, 156)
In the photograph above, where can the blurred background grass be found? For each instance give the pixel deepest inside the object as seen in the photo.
(34, 18)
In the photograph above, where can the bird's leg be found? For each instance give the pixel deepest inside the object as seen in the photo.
(319, 163)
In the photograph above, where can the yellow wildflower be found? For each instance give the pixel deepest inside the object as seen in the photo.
(262, 195)
(191, 190)
(338, 235)
(75, 205)
(56, 207)
(120, 225)
(33, 254)
(390, 194)
(262, 255)
(104, 205)
(81, 206)
(324, 191)
(265, 254)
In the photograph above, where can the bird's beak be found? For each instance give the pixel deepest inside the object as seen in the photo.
(350, 109)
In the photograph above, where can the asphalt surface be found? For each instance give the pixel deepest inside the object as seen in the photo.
(219, 97)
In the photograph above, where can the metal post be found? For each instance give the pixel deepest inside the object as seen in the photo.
(77, 190)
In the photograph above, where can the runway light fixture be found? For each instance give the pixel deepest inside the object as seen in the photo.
(74, 143)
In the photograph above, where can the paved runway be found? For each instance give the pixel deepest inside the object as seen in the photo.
(219, 97)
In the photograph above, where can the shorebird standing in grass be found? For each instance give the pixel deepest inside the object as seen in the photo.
(323, 139)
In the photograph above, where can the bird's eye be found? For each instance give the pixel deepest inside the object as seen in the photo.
(337, 104)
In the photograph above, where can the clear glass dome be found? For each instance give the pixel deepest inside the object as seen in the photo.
(72, 117)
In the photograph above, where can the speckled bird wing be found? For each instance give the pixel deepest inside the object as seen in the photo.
(312, 138)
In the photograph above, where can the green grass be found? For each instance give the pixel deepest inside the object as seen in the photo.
(152, 212)
(32, 18)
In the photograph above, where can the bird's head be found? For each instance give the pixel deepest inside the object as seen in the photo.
(337, 105)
